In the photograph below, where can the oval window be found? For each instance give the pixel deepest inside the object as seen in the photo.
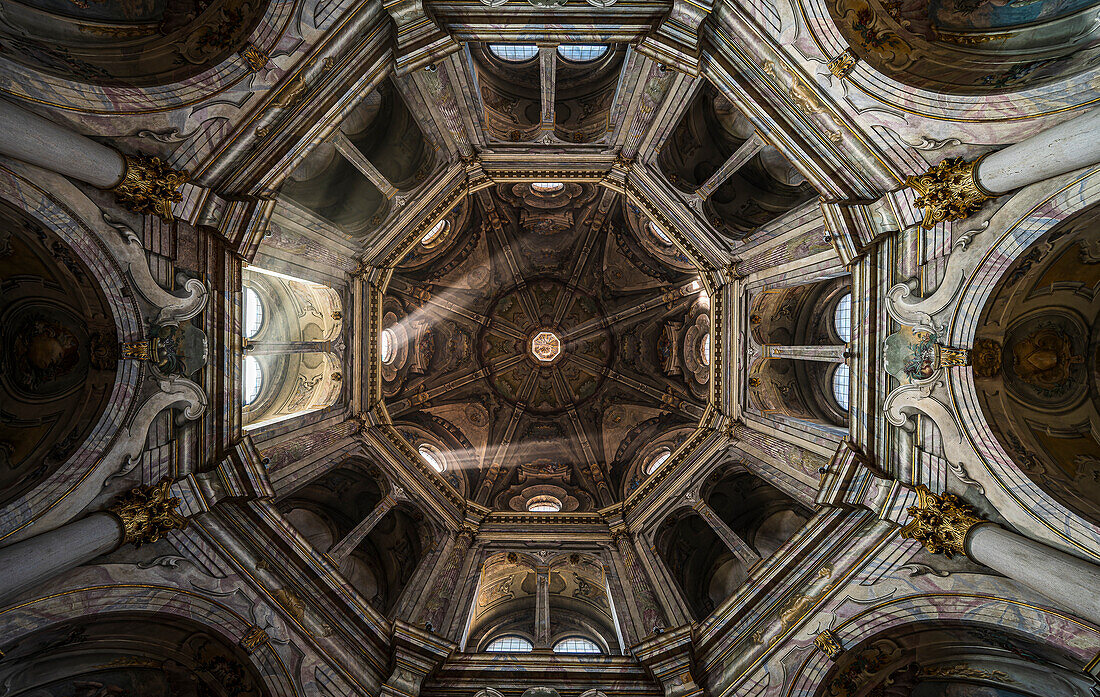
(386, 347)
(841, 385)
(252, 381)
(582, 53)
(544, 504)
(704, 349)
(253, 313)
(547, 187)
(514, 53)
(658, 459)
(435, 233)
(432, 456)
(660, 234)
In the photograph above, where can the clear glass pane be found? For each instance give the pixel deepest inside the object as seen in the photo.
(435, 232)
(842, 318)
(576, 644)
(659, 234)
(661, 458)
(253, 313)
(385, 345)
(432, 457)
(841, 381)
(253, 380)
(704, 349)
(582, 53)
(509, 644)
(514, 53)
(547, 187)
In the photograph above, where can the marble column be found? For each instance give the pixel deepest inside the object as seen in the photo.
(947, 525)
(740, 157)
(435, 610)
(740, 549)
(270, 348)
(360, 162)
(142, 515)
(653, 620)
(825, 354)
(141, 183)
(548, 76)
(956, 188)
(353, 539)
(542, 607)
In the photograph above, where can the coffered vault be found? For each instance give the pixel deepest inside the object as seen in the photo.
(549, 348)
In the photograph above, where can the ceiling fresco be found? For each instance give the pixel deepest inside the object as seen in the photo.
(534, 341)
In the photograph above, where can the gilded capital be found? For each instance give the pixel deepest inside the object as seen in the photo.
(949, 191)
(147, 513)
(941, 522)
(149, 186)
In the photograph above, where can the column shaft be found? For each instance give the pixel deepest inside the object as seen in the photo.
(737, 546)
(360, 162)
(38, 141)
(745, 152)
(1071, 582)
(267, 348)
(359, 533)
(1068, 146)
(826, 354)
(30, 562)
(542, 608)
(446, 581)
(652, 618)
(548, 76)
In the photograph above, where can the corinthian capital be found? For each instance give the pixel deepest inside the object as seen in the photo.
(949, 191)
(940, 522)
(149, 186)
(147, 513)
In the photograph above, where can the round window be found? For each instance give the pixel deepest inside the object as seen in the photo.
(435, 234)
(659, 458)
(704, 349)
(253, 380)
(547, 187)
(842, 384)
(509, 644)
(576, 644)
(514, 53)
(660, 234)
(544, 504)
(842, 318)
(386, 346)
(432, 456)
(582, 53)
(253, 313)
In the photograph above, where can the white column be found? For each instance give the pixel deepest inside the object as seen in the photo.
(745, 152)
(1072, 583)
(360, 162)
(34, 560)
(826, 354)
(542, 607)
(548, 85)
(1068, 146)
(359, 533)
(38, 141)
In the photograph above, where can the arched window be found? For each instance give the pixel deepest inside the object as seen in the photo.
(544, 504)
(514, 53)
(509, 644)
(582, 53)
(253, 380)
(704, 349)
(436, 233)
(576, 644)
(841, 380)
(658, 459)
(432, 456)
(253, 313)
(547, 187)
(842, 318)
(386, 345)
(660, 234)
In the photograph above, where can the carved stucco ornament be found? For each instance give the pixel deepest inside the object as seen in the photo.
(149, 186)
(941, 522)
(147, 513)
(949, 191)
(828, 642)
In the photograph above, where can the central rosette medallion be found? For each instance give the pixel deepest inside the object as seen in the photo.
(546, 346)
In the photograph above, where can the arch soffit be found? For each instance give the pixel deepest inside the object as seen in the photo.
(984, 610)
(1012, 492)
(62, 208)
(36, 615)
